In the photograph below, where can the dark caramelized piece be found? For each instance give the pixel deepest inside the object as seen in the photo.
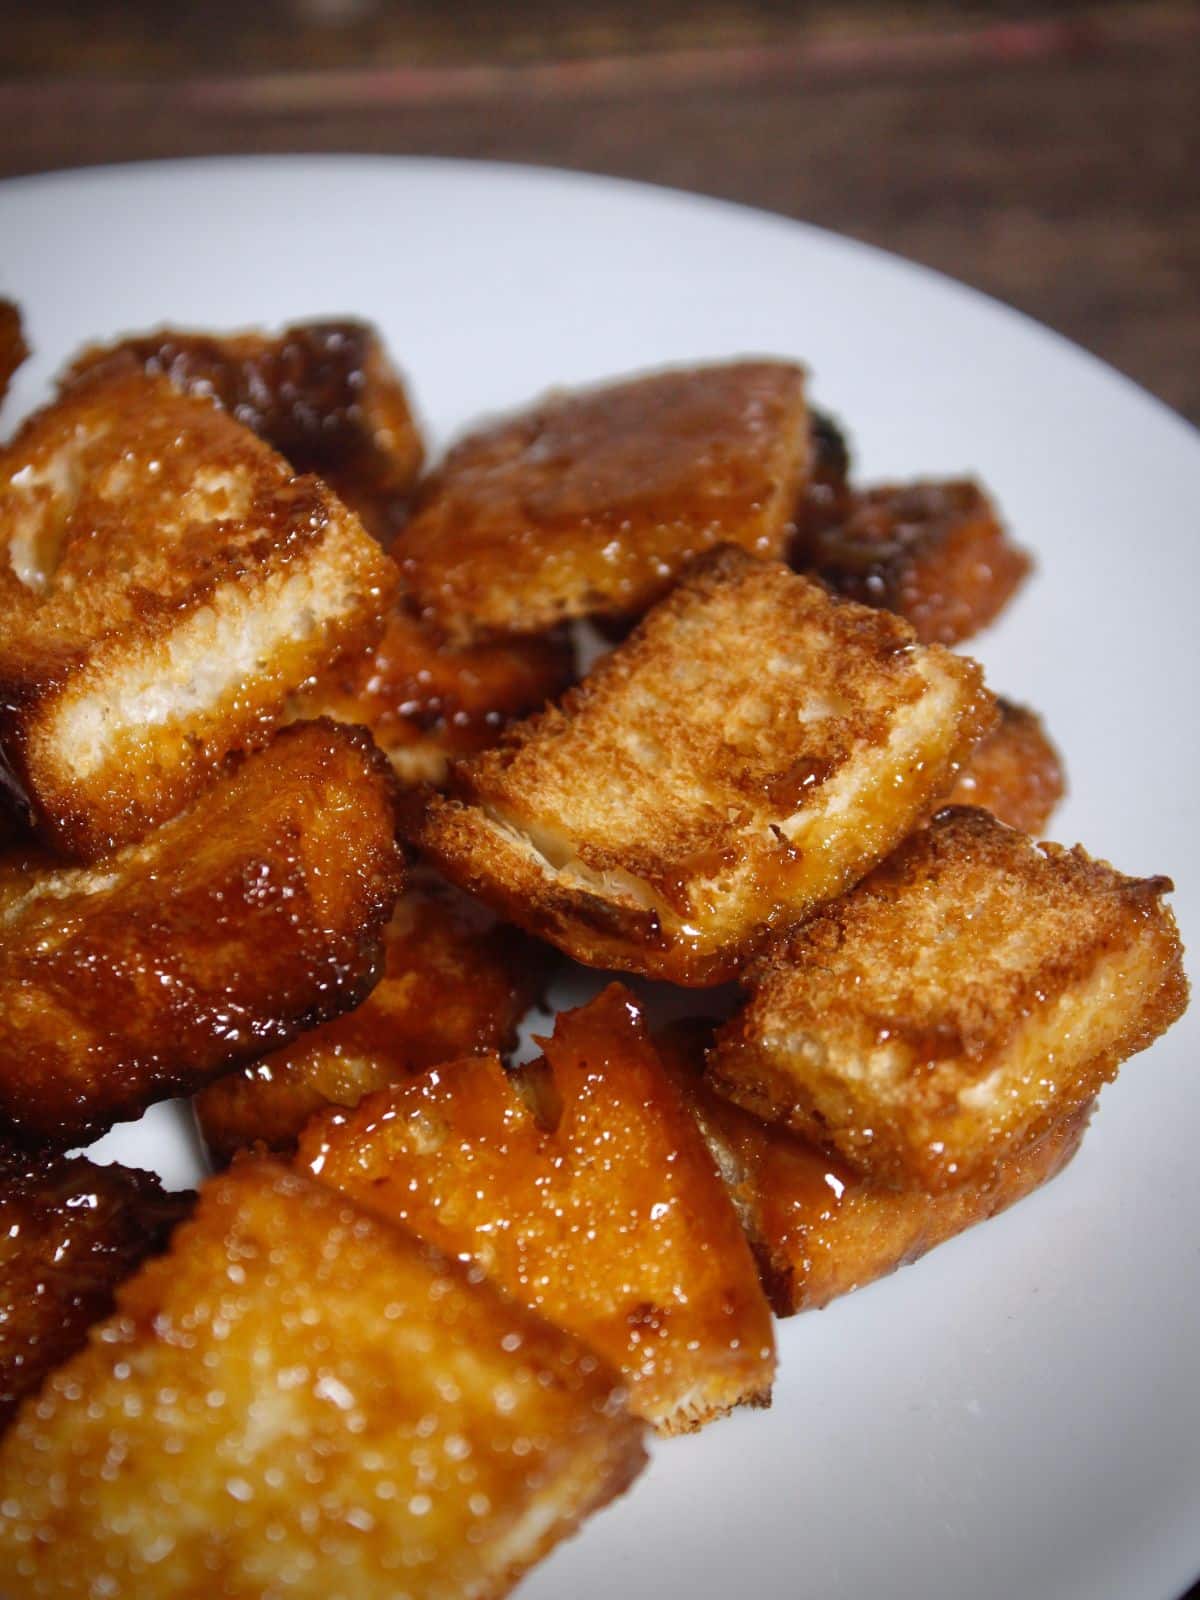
(827, 496)
(70, 1232)
(454, 981)
(427, 703)
(592, 503)
(13, 348)
(1014, 772)
(935, 552)
(256, 914)
(818, 1229)
(300, 1400)
(976, 991)
(323, 394)
(582, 1187)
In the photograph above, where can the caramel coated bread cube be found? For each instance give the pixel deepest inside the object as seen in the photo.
(1015, 771)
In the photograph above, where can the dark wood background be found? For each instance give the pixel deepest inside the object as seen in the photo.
(1049, 154)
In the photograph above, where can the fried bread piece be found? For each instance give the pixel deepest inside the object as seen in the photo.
(454, 981)
(323, 394)
(165, 584)
(427, 703)
(301, 1399)
(13, 348)
(582, 1187)
(591, 503)
(1014, 771)
(751, 750)
(817, 1228)
(256, 914)
(975, 991)
(936, 552)
(827, 498)
(70, 1232)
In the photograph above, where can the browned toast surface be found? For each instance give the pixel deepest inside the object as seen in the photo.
(454, 981)
(427, 703)
(13, 348)
(936, 552)
(974, 991)
(752, 749)
(818, 1228)
(300, 1399)
(256, 914)
(70, 1232)
(323, 394)
(1015, 771)
(582, 1187)
(165, 585)
(592, 503)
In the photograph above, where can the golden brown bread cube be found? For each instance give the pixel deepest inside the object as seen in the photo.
(591, 503)
(751, 750)
(70, 1232)
(165, 585)
(1014, 771)
(818, 1229)
(323, 394)
(300, 1399)
(976, 990)
(256, 914)
(427, 703)
(454, 981)
(936, 552)
(13, 348)
(582, 1187)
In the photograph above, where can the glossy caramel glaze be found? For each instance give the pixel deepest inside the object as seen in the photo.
(454, 981)
(165, 584)
(750, 750)
(323, 394)
(427, 703)
(1015, 772)
(300, 1400)
(256, 914)
(582, 1187)
(936, 552)
(819, 1229)
(70, 1232)
(13, 348)
(972, 993)
(592, 503)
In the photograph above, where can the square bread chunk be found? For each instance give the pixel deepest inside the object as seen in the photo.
(454, 981)
(750, 751)
(582, 1187)
(936, 552)
(1015, 771)
(324, 394)
(976, 990)
(165, 585)
(70, 1232)
(254, 915)
(427, 703)
(819, 1229)
(301, 1400)
(591, 504)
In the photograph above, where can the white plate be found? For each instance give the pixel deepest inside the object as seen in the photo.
(1019, 1414)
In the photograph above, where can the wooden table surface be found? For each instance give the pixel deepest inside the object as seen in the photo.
(1048, 154)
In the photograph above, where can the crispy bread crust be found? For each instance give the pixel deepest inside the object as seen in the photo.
(582, 1187)
(166, 585)
(936, 552)
(70, 1232)
(974, 991)
(323, 394)
(592, 503)
(13, 348)
(454, 982)
(638, 826)
(1015, 772)
(300, 1398)
(256, 914)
